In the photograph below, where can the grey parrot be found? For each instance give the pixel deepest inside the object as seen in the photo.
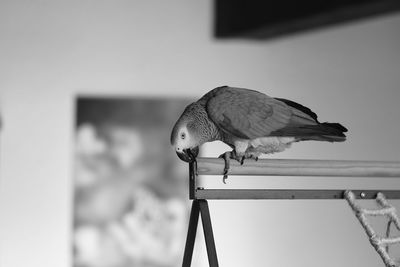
(250, 122)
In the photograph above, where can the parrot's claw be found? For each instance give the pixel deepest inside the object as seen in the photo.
(224, 178)
(226, 169)
(254, 157)
(251, 156)
(226, 156)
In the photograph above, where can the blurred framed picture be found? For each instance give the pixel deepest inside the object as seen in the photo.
(130, 189)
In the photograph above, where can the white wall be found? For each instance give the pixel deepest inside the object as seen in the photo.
(50, 51)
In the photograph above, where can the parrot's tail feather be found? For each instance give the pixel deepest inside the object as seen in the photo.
(327, 138)
(336, 126)
(331, 132)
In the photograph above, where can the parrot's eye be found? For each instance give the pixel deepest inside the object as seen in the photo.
(183, 135)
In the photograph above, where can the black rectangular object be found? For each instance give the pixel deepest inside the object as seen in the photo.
(271, 18)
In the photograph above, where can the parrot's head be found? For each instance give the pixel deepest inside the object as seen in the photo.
(185, 141)
(186, 136)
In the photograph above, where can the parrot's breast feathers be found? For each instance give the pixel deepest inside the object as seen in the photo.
(262, 145)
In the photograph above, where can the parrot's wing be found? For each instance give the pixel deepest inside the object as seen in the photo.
(246, 113)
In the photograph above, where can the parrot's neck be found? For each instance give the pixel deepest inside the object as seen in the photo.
(215, 133)
(209, 131)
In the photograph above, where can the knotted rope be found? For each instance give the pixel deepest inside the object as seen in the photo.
(381, 244)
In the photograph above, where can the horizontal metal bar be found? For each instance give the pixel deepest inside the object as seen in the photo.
(289, 194)
(294, 167)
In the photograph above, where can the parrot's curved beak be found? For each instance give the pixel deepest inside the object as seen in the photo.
(188, 155)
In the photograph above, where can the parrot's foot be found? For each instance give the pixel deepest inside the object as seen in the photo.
(227, 156)
(253, 157)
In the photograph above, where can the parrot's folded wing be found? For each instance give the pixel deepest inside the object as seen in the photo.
(246, 113)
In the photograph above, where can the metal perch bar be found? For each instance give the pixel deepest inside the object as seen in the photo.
(291, 167)
(295, 167)
(288, 194)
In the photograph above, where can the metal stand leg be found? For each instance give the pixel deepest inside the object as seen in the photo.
(208, 233)
(191, 235)
(200, 206)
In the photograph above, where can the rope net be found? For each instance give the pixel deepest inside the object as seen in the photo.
(381, 244)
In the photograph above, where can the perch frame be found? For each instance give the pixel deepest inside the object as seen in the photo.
(289, 167)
